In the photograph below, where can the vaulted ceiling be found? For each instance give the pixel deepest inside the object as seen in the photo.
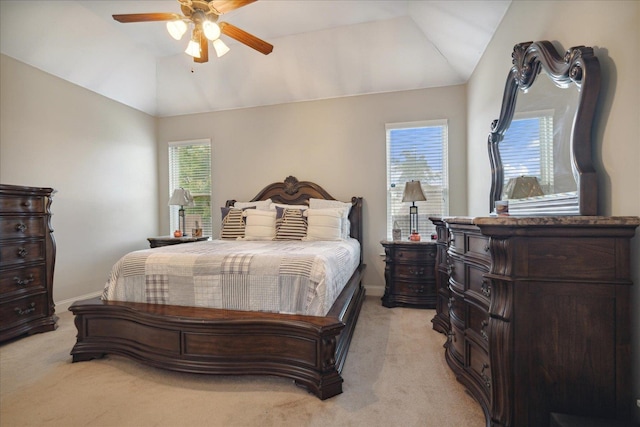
(322, 49)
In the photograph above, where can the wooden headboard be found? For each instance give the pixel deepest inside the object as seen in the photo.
(294, 192)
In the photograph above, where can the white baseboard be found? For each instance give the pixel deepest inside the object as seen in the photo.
(375, 291)
(64, 305)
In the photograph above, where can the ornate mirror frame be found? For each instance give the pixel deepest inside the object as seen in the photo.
(578, 68)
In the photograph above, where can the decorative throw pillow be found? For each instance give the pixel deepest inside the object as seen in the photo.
(232, 223)
(260, 224)
(261, 205)
(290, 224)
(330, 204)
(324, 224)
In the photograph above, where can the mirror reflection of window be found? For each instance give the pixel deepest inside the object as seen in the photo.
(527, 149)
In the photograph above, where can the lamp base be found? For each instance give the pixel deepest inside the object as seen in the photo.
(414, 237)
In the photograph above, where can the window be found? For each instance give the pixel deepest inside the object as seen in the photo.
(417, 151)
(527, 149)
(190, 168)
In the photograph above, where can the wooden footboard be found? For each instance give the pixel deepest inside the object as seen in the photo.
(310, 350)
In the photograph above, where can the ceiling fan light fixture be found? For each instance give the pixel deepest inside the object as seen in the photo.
(193, 49)
(177, 28)
(211, 30)
(220, 47)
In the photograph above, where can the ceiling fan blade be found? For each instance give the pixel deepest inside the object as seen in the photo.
(246, 38)
(224, 6)
(204, 50)
(146, 17)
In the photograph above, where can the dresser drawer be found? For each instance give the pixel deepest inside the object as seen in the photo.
(16, 227)
(477, 285)
(478, 365)
(457, 308)
(478, 322)
(16, 253)
(456, 343)
(21, 204)
(20, 280)
(22, 309)
(456, 274)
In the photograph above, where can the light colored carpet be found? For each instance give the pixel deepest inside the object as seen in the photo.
(395, 375)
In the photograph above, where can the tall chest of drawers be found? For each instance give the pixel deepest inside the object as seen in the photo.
(540, 316)
(27, 257)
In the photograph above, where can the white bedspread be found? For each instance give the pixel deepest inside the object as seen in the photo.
(295, 277)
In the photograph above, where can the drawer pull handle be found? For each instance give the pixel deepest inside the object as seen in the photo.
(22, 252)
(451, 336)
(450, 269)
(418, 272)
(26, 204)
(450, 303)
(21, 312)
(485, 288)
(21, 227)
(23, 282)
(483, 331)
(486, 247)
(485, 377)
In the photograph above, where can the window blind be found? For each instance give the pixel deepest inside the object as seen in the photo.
(190, 168)
(417, 151)
(527, 148)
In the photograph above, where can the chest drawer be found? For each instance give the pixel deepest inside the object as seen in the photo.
(414, 271)
(478, 364)
(16, 227)
(16, 253)
(20, 280)
(23, 309)
(21, 204)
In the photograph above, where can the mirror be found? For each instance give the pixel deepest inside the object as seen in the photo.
(540, 147)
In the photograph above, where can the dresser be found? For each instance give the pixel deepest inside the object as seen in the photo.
(441, 321)
(540, 317)
(409, 274)
(27, 257)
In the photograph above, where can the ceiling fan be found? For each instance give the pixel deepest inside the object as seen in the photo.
(203, 15)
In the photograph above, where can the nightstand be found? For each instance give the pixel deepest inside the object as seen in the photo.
(156, 242)
(409, 274)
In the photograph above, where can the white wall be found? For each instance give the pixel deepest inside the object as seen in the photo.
(612, 28)
(337, 143)
(98, 154)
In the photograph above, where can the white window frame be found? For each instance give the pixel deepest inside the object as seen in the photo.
(202, 212)
(436, 188)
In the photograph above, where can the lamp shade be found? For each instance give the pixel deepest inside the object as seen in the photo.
(211, 30)
(220, 47)
(177, 28)
(413, 192)
(181, 197)
(193, 49)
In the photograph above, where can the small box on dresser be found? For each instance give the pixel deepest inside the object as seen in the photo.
(409, 274)
(27, 257)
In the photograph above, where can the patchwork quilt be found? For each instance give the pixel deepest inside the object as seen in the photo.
(293, 277)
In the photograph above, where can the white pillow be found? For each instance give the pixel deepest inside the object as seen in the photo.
(285, 206)
(332, 204)
(260, 224)
(324, 224)
(261, 205)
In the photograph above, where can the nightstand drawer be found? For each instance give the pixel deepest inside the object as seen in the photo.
(415, 287)
(414, 271)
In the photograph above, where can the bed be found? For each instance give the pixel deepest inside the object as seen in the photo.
(310, 349)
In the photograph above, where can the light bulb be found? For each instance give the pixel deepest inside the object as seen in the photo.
(211, 30)
(177, 28)
(220, 47)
